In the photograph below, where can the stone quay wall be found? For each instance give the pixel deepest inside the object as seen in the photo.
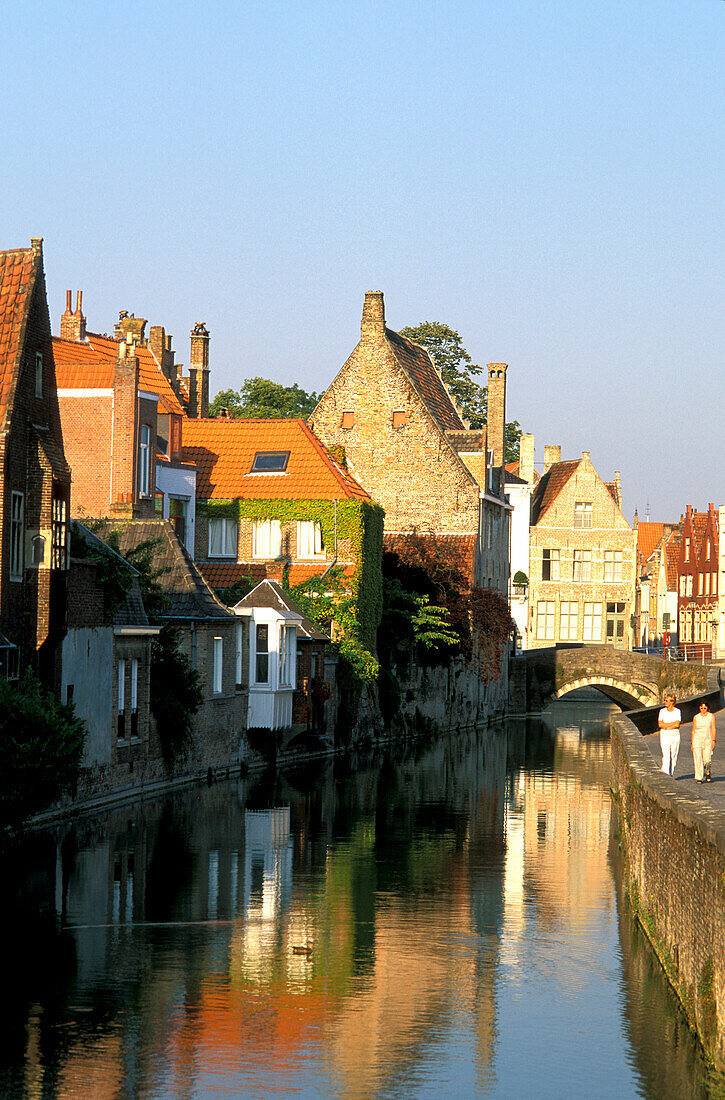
(674, 853)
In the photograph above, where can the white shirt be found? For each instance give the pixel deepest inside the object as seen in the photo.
(673, 715)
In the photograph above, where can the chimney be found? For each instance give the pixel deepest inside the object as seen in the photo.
(130, 324)
(199, 372)
(125, 390)
(496, 418)
(587, 455)
(163, 353)
(73, 325)
(618, 488)
(526, 458)
(372, 328)
(552, 454)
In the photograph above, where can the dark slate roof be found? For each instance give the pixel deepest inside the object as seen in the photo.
(190, 595)
(270, 594)
(549, 487)
(417, 364)
(513, 479)
(472, 440)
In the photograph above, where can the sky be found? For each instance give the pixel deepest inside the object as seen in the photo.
(543, 176)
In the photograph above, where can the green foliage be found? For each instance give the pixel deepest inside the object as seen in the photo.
(41, 741)
(176, 693)
(262, 399)
(458, 371)
(520, 577)
(432, 626)
(112, 574)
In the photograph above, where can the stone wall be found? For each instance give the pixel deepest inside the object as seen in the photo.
(674, 850)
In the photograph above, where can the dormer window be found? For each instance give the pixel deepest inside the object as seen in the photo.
(38, 374)
(348, 420)
(270, 462)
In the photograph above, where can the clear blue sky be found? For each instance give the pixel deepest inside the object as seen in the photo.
(545, 177)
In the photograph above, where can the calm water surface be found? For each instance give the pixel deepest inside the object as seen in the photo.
(462, 902)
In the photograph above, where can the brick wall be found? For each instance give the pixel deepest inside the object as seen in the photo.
(675, 865)
(87, 437)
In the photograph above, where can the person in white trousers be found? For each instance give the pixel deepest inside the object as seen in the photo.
(702, 742)
(669, 721)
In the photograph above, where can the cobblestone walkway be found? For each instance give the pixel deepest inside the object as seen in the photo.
(713, 793)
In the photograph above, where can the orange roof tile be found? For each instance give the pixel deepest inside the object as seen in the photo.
(223, 451)
(90, 365)
(17, 279)
(648, 535)
(672, 558)
(549, 487)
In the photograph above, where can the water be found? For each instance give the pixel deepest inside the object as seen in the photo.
(462, 902)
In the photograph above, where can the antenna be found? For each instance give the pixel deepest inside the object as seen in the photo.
(647, 512)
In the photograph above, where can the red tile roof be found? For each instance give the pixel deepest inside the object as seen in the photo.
(223, 451)
(648, 535)
(90, 365)
(672, 558)
(417, 364)
(549, 487)
(17, 279)
(225, 574)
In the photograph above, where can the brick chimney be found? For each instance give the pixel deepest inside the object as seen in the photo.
(163, 353)
(73, 325)
(496, 418)
(123, 460)
(130, 325)
(552, 454)
(199, 372)
(526, 459)
(372, 328)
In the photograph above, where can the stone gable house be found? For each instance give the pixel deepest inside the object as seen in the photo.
(697, 589)
(122, 401)
(388, 413)
(582, 557)
(34, 475)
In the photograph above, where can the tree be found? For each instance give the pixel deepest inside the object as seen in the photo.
(456, 368)
(262, 399)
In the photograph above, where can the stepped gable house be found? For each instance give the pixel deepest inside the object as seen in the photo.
(697, 588)
(582, 557)
(268, 494)
(656, 595)
(122, 400)
(404, 439)
(35, 498)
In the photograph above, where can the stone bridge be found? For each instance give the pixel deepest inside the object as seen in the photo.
(631, 680)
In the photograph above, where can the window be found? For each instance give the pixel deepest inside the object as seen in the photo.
(706, 577)
(400, 418)
(582, 568)
(612, 565)
(38, 374)
(144, 460)
(267, 537)
(682, 586)
(687, 549)
(134, 698)
(287, 653)
(545, 620)
(592, 622)
(121, 700)
(222, 538)
(583, 513)
(270, 462)
(309, 539)
(348, 420)
(10, 661)
(261, 673)
(238, 667)
(688, 590)
(550, 565)
(38, 549)
(217, 665)
(568, 621)
(59, 531)
(177, 515)
(17, 537)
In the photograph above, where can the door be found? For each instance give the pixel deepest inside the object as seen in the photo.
(615, 625)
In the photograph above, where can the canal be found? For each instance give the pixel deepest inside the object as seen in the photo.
(443, 920)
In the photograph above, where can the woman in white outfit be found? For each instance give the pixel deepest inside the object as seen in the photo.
(703, 742)
(669, 722)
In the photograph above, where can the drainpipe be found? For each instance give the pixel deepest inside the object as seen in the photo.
(333, 563)
(193, 644)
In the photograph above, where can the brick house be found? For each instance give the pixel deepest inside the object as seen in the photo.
(35, 497)
(697, 588)
(391, 416)
(582, 557)
(655, 612)
(122, 401)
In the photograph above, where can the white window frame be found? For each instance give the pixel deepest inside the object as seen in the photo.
(144, 460)
(239, 656)
(38, 374)
(261, 652)
(267, 539)
(121, 685)
(612, 565)
(310, 544)
(217, 665)
(17, 535)
(583, 515)
(582, 560)
(545, 620)
(222, 537)
(592, 621)
(553, 560)
(568, 620)
(287, 656)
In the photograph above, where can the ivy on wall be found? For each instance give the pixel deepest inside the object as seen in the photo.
(359, 602)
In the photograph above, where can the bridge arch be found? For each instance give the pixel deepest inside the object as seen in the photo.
(626, 695)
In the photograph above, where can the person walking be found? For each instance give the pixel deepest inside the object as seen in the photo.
(703, 742)
(669, 722)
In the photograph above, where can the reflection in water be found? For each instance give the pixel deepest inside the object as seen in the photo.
(460, 907)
